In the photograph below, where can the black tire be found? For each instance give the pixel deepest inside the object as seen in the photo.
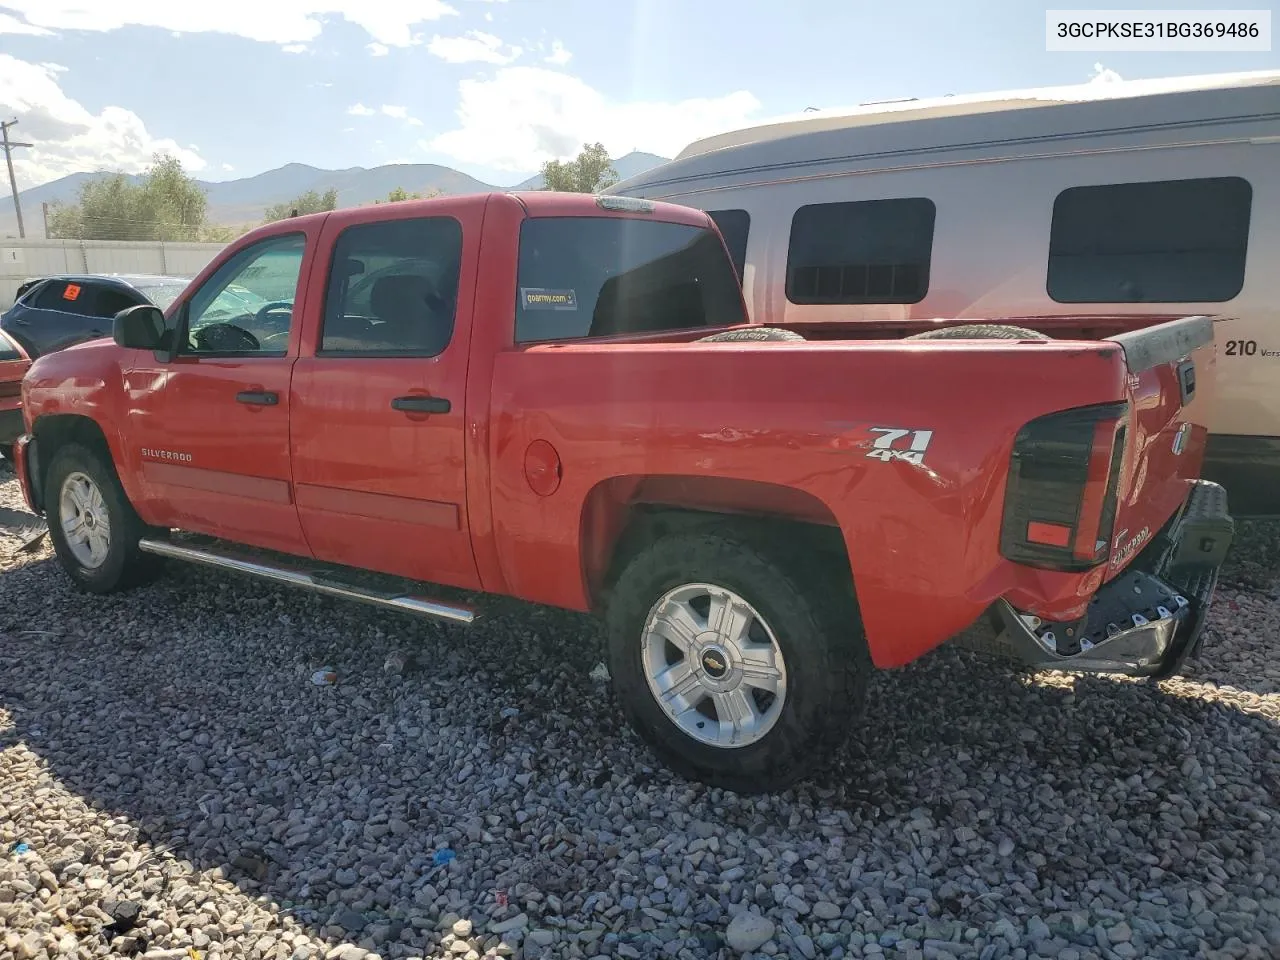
(751, 333)
(818, 635)
(124, 565)
(980, 331)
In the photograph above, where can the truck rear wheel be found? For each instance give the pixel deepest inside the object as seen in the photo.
(94, 528)
(980, 331)
(734, 673)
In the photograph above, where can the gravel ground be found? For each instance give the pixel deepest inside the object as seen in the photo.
(171, 778)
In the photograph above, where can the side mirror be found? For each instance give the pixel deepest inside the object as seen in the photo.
(139, 327)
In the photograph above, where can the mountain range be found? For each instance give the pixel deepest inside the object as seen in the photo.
(243, 201)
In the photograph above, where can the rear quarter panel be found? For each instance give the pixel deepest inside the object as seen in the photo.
(922, 539)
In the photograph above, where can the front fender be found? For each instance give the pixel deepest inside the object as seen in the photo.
(75, 394)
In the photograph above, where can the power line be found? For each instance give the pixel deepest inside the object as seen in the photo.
(9, 146)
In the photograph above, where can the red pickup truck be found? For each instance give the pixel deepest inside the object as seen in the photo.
(558, 398)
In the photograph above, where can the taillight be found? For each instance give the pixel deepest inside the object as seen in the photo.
(1060, 504)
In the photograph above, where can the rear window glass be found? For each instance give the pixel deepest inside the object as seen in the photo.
(734, 225)
(600, 276)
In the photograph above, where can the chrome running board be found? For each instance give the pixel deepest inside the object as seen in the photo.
(314, 582)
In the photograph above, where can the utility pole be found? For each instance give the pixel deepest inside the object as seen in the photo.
(9, 146)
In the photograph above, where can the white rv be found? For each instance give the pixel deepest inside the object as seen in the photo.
(1086, 209)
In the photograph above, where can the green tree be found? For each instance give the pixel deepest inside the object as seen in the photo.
(165, 204)
(223, 232)
(399, 193)
(309, 202)
(590, 171)
(173, 198)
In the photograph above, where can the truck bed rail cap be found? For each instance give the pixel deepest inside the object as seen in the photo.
(1164, 343)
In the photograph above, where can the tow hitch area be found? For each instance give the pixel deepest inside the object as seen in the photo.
(1149, 620)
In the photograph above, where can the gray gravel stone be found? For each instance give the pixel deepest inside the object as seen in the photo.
(825, 910)
(749, 931)
(510, 923)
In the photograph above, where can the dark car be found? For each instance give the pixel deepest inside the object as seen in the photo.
(55, 312)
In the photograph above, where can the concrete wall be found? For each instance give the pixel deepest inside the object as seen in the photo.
(20, 259)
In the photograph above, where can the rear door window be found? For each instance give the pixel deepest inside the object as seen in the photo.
(596, 277)
(393, 288)
(68, 296)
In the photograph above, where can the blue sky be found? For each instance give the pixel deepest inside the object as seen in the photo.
(493, 87)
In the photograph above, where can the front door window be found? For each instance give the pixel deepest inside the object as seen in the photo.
(246, 307)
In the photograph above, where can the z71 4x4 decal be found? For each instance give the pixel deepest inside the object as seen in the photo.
(887, 447)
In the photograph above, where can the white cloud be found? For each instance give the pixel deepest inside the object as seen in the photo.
(559, 55)
(524, 116)
(69, 138)
(395, 111)
(228, 167)
(378, 49)
(1103, 75)
(11, 24)
(475, 47)
(294, 48)
(388, 22)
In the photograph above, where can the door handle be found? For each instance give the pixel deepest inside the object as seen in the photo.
(421, 404)
(258, 398)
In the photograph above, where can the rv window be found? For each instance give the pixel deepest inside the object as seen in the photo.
(871, 251)
(606, 276)
(734, 225)
(1172, 241)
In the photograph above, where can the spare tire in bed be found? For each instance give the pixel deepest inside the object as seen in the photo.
(751, 333)
(980, 331)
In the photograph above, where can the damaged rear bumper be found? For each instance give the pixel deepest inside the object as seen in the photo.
(1148, 621)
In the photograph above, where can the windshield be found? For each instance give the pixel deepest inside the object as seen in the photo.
(162, 294)
(235, 301)
(8, 348)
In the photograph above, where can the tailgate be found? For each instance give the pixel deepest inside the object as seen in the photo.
(1170, 385)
